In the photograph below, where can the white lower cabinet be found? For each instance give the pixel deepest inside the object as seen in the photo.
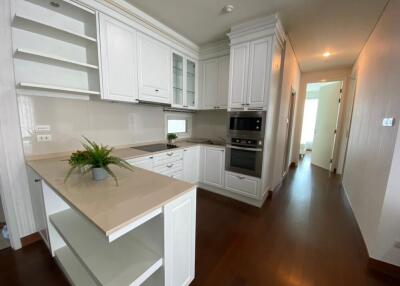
(213, 166)
(179, 234)
(191, 164)
(241, 184)
(146, 163)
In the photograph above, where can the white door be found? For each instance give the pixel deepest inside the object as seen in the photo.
(118, 60)
(223, 82)
(180, 235)
(259, 63)
(238, 70)
(155, 71)
(210, 84)
(191, 164)
(214, 166)
(326, 124)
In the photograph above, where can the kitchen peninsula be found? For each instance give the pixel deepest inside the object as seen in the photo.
(141, 232)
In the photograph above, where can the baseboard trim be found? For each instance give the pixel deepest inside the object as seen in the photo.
(29, 239)
(384, 267)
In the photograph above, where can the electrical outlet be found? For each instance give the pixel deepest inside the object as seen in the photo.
(397, 244)
(43, 138)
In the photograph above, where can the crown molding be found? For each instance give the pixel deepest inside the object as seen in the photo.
(215, 49)
(258, 28)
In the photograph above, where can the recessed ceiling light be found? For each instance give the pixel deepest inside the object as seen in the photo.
(228, 8)
(326, 54)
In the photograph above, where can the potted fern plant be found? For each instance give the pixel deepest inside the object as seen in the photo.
(95, 158)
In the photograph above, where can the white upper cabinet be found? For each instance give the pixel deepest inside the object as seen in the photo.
(238, 75)
(210, 84)
(215, 82)
(184, 82)
(118, 59)
(223, 81)
(155, 72)
(259, 73)
(251, 82)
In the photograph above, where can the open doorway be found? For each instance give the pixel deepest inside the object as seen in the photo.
(4, 239)
(320, 121)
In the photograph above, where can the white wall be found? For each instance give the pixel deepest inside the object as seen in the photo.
(290, 80)
(372, 164)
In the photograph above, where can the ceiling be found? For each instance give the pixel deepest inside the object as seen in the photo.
(313, 26)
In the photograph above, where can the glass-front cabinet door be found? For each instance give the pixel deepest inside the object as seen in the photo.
(190, 83)
(177, 80)
(184, 82)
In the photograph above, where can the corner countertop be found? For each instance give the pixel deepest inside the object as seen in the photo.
(108, 206)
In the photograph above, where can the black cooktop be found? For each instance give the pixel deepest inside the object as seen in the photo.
(155, 147)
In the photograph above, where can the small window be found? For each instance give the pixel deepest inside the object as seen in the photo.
(180, 124)
(177, 126)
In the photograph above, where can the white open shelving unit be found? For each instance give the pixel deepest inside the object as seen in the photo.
(87, 257)
(55, 49)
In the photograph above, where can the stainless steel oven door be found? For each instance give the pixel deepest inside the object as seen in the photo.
(243, 160)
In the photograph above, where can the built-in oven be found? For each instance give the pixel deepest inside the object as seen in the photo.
(245, 146)
(244, 156)
(250, 124)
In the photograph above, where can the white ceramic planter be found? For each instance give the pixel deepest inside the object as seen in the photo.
(99, 174)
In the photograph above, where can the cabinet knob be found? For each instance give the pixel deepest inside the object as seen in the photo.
(157, 90)
(37, 180)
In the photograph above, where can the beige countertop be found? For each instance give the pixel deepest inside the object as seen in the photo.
(108, 206)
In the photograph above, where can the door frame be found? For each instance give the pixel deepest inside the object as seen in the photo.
(314, 77)
(289, 131)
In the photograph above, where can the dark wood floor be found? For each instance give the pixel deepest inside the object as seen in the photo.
(306, 235)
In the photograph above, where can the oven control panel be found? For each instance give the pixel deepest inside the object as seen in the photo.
(246, 142)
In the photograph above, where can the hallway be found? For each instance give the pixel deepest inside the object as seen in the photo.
(305, 235)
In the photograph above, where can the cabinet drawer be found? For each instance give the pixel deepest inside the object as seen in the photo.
(142, 162)
(169, 167)
(243, 185)
(167, 157)
(175, 174)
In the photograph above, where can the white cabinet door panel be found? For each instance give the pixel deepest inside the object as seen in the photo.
(210, 84)
(155, 72)
(238, 75)
(146, 163)
(191, 164)
(180, 228)
(214, 166)
(223, 82)
(260, 57)
(118, 60)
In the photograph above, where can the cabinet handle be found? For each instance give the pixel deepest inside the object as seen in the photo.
(157, 90)
(243, 104)
(240, 177)
(151, 157)
(170, 165)
(185, 106)
(37, 180)
(170, 154)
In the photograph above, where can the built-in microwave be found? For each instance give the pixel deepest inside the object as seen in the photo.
(249, 124)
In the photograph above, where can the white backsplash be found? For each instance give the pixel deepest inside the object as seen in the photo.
(109, 123)
(105, 122)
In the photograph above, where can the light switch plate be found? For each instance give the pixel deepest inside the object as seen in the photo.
(42, 128)
(388, 122)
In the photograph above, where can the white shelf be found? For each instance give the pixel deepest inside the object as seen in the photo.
(53, 57)
(43, 23)
(72, 268)
(57, 88)
(126, 261)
